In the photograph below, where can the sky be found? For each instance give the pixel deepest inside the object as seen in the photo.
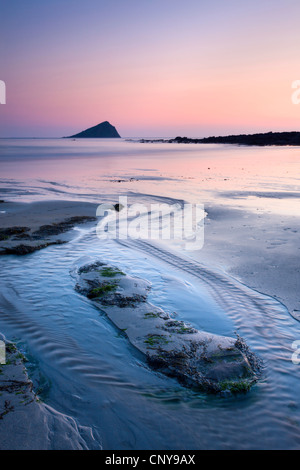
(151, 68)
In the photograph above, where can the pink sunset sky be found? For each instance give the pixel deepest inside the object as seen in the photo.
(151, 68)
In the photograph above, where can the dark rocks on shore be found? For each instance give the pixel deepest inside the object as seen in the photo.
(6, 233)
(15, 388)
(118, 207)
(26, 249)
(45, 234)
(25, 421)
(61, 227)
(260, 139)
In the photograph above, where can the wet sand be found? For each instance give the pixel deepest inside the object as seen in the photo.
(25, 228)
(25, 422)
(35, 214)
(262, 251)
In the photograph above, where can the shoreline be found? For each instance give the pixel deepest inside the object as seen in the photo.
(225, 248)
(260, 139)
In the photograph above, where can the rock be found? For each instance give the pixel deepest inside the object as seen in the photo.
(6, 233)
(61, 227)
(196, 358)
(102, 130)
(260, 139)
(26, 423)
(41, 238)
(13, 384)
(118, 207)
(26, 249)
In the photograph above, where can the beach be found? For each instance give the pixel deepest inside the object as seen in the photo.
(262, 251)
(244, 280)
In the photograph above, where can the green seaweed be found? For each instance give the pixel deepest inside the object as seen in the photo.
(235, 386)
(110, 272)
(104, 288)
(11, 348)
(185, 329)
(156, 340)
(179, 327)
(151, 315)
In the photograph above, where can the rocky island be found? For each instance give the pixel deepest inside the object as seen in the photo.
(103, 130)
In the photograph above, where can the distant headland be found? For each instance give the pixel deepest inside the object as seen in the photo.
(268, 138)
(103, 130)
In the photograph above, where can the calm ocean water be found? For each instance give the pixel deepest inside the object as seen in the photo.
(245, 177)
(85, 368)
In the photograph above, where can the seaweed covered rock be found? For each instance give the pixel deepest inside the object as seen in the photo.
(45, 236)
(196, 358)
